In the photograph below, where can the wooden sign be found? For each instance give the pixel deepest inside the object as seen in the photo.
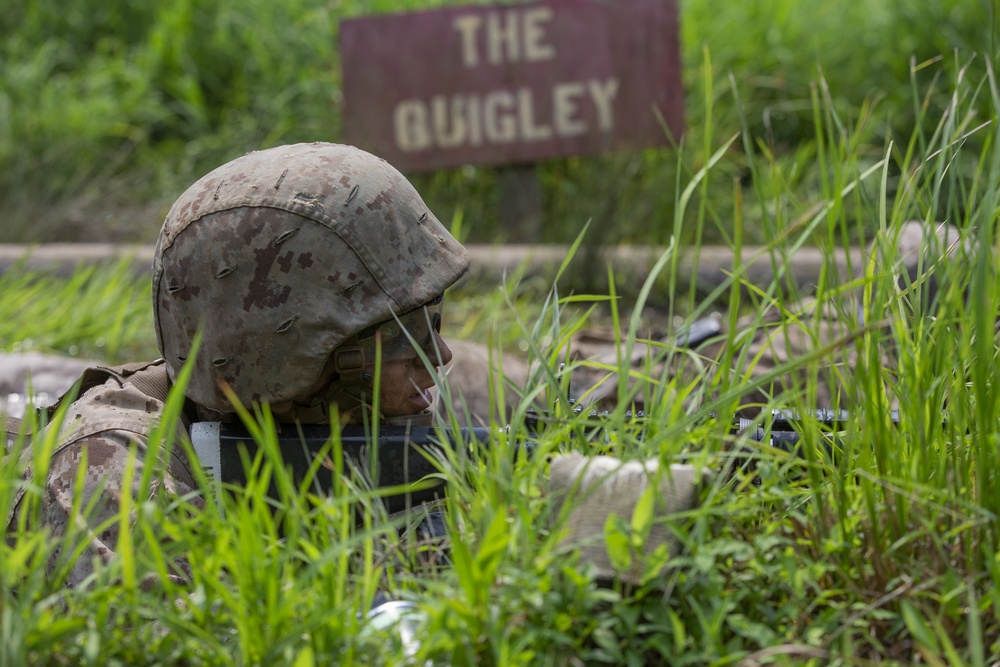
(508, 84)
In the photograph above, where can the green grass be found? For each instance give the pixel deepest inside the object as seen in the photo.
(101, 311)
(884, 553)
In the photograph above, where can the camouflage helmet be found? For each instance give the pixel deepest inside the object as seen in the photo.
(281, 256)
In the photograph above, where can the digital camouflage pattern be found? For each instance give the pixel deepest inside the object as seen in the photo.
(281, 256)
(105, 427)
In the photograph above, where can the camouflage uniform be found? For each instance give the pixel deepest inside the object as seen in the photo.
(108, 423)
(291, 264)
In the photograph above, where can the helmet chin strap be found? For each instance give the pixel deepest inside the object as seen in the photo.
(422, 418)
(350, 390)
(352, 401)
(353, 409)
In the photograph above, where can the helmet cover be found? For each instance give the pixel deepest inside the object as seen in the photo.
(282, 255)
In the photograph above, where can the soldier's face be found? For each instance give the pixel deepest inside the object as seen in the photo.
(406, 382)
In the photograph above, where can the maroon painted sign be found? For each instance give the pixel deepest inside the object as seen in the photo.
(491, 85)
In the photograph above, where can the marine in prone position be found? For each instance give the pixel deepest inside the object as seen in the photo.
(284, 278)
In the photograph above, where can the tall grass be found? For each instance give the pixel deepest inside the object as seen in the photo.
(881, 547)
(100, 312)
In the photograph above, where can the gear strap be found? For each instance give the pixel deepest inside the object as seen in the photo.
(149, 377)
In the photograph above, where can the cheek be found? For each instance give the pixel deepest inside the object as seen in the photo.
(397, 378)
(399, 389)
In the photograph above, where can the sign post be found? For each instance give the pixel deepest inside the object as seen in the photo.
(512, 84)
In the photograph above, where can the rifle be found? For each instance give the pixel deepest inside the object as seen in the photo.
(404, 455)
(399, 457)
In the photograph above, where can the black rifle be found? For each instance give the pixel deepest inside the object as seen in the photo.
(399, 457)
(402, 456)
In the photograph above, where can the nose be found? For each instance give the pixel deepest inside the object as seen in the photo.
(438, 351)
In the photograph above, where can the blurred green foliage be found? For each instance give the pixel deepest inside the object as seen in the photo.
(123, 102)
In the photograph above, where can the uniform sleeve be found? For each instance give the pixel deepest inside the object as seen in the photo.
(90, 501)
